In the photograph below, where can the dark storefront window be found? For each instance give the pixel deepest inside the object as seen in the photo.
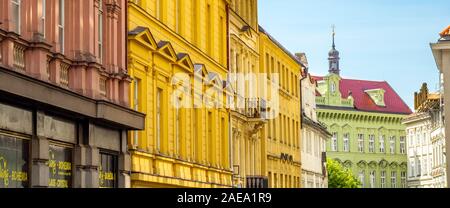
(60, 166)
(108, 170)
(13, 162)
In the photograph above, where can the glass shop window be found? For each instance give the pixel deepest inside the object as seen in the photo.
(14, 154)
(60, 166)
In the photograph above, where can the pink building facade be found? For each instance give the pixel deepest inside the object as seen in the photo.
(64, 93)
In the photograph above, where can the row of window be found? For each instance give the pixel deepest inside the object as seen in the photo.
(17, 11)
(179, 124)
(288, 80)
(289, 130)
(418, 139)
(313, 143)
(179, 6)
(283, 181)
(382, 178)
(371, 148)
(419, 167)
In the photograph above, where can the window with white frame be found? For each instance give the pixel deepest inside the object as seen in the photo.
(392, 145)
(382, 139)
(372, 179)
(403, 179)
(334, 142)
(61, 26)
(425, 167)
(346, 142)
(16, 5)
(361, 176)
(361, 143)
(412, 169)
(383, 179)
(402, 145)
(393, 179)
(100, 31)
(371, 143)
(177, 127)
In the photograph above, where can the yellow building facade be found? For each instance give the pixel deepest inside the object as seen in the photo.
(265, 147)
(282, 162)
(246, 121)
(172, 45)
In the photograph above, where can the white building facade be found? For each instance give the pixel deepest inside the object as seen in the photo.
(314, 138)
(426, 142)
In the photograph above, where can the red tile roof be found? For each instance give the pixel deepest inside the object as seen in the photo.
(363, 102)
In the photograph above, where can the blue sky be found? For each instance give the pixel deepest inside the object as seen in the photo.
(378, 39)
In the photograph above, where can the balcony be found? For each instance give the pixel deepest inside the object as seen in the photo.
(257, 182)
(255, 108)
(19, 57)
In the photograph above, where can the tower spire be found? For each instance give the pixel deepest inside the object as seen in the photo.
(334, 34)
(333, 55)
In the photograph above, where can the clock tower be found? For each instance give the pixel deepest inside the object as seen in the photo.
(333, 58)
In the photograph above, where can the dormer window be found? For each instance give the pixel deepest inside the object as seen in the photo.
(377, 96)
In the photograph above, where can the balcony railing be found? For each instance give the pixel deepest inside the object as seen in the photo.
(257, 182)
(255, 107)
(19, 57)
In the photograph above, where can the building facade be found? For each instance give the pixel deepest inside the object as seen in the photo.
(441, 53)
(314, 136)
(365, 120)
(281, 152)
(64, 114)
(422, 147)
(246, 116)
(178, 63)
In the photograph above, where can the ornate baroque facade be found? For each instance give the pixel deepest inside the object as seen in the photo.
(364, 118)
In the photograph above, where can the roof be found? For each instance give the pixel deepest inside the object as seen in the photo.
(445, 32)
(363, 102)
(294, 58)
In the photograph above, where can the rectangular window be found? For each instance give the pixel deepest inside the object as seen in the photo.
(419, 168)
(403, 179)
(393, 179)
(178, 126)
(158, 7)
(107, 173)
(412, 170)
(346, 142)
(158, 118)
(61, 26)
(371, 143)
(60, 166)
(362, 179)
(361, 143)
(372, 179)
(100, 31)
(43, 16)
(382, 143)
(136, 96)
(392, 145)
(14, 155)
(383, 179)
(208, 30)
(178, 23)
(402, 145)
(334, 142)
(16, 5)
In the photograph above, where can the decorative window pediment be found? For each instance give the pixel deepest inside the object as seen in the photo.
(143, 36)
(377, 96)
(185, 61)
(166, 49)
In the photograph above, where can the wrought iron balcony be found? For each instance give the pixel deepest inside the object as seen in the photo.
(257, 182)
